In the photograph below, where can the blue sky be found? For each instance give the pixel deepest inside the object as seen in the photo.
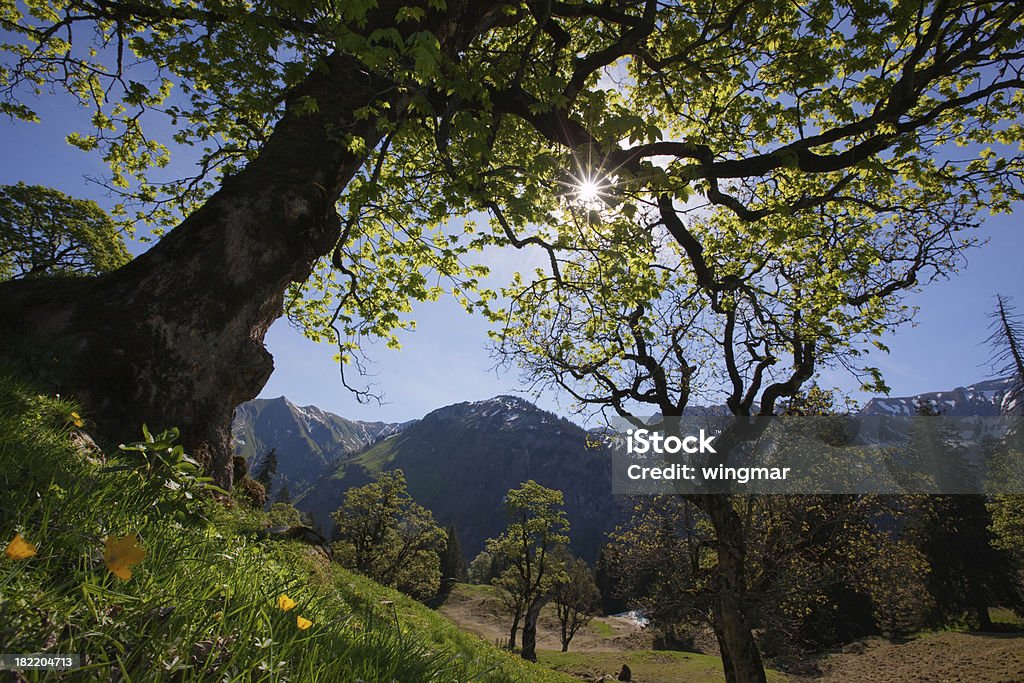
(445, 360)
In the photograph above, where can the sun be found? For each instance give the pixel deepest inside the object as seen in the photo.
(588, 192)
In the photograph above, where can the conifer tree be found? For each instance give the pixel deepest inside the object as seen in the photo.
(453, 564)
(283, 495)
(267, 470)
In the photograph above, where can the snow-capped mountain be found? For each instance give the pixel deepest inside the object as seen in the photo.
(984, 399)
(308, 441)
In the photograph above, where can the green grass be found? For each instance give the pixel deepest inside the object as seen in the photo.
(376, 458)
(601, 628)
(1001, 615)
(645, 665)
(202, 603)
(476, 590)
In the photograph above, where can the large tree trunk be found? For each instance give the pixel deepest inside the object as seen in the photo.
(175, 338)
(529, 651)
(741, 659)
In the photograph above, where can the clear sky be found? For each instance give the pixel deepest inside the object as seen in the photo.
(445, 360)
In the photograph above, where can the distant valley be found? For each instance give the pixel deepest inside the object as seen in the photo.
(461, 459)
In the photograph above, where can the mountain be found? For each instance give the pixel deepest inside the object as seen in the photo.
(308, 441)
(461, 460)
(984, 399)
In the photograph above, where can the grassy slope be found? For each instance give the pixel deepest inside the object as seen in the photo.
(202, 603)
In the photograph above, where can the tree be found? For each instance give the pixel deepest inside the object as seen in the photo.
(1007, 510)
(608, 577)
(283, 495)
(1007, 526)
(453, 563)
(665, 560)
(480, 568)
(1007, 343)
(969, 573)
(515, 596)
(383, 533)
(246, 487)
(817, 138)
(46, 232)
(283, 513)
(825, 570)
(822, 570)
(289, 102)
(267, 469)
(736, 286)
(576, 598)
(536, 525)
(435, 110)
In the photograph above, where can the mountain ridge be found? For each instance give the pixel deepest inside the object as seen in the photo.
(307, 439)
(987, 398)
(461, 459)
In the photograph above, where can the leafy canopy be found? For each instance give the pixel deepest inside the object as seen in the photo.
(780, 171)
(45, 232)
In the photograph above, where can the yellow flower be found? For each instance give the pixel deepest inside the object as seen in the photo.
(76, 419)
(19, 549)
(303, 624)
(122, 552)
(284, 602)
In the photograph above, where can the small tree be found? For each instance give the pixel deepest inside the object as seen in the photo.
(608, 577)
(515, 595)
(247, 488)
(576, 598)
(1008, 525)
(969, 572)
(383, 533)
(1007, 510)
(285, 514)
(537, 524)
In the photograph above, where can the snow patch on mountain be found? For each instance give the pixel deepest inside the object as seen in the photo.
(983, 399)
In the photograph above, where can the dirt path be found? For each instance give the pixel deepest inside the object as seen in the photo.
(932, 658)
(477, 609)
